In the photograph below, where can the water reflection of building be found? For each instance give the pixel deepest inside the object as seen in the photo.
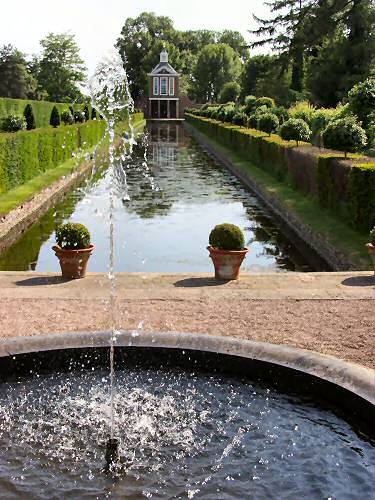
(164, 141)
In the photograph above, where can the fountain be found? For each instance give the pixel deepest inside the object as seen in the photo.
(187, 416)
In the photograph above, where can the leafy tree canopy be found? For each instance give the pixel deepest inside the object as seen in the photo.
(142, 39)
(60, 69)
(16, 81)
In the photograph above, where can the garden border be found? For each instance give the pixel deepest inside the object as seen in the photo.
(296, 228)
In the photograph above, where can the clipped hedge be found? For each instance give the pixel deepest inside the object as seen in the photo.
(41, 109)
(25, 154)
(344, 188)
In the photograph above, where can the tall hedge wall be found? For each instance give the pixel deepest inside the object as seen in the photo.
(25, 154)
(345, 189)
(42, 109)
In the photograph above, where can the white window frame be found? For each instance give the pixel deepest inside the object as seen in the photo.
(171, 86)
(156, 85)
(163, 79)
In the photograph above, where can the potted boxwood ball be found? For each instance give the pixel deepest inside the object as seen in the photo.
(73, 249)
(371, 247)
(227, 251)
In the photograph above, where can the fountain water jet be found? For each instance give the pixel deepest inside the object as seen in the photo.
(110, 95)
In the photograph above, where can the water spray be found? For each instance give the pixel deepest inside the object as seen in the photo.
(112, 453)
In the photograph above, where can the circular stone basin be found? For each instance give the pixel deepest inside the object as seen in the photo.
(191, 424)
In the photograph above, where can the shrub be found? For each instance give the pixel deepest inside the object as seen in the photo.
(372, 236)
(240, 118)
(362, 99)
(29, 117)
(320, 119)
(79, 116)
(93, 114)
(302, 110)
(66, 117)
(281, 113)
(86, 112)
(228, 113)
(55, 117)
(344, 135)
(250, 101)
(72, 236)
(229, 92)
(295, 129)
(29, 153)
(252, 122)
(13, 123)
(268, 123)
(265, 101)
(227, 237)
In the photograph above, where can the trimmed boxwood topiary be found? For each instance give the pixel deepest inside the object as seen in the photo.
(250, 104)
(268, 123)
(13, 123)
(227, 237)
(67, 117)
(55, 117)
(240, 118)
(362, 99)
(79, 116)
(29, 117)
(73, 236)
(344, 135)
(295, 129)
(230, 92)
(86, 112)
(265, 101)
(252, 122)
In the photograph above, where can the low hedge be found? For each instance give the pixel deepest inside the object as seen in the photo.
(41, 109)
(345, 189)
(25, 154)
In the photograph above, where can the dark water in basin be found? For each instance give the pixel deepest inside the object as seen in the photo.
(166, 228)
(183, 435)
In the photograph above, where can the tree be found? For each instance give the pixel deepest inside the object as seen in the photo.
(55, 117)
(216, 65)
(362, 100)
(285, 32)
(295, 129)
(235, 40)
(29, 117)
(142, 39)
(256, 67)
(230, 92)
(138, 37)
(268, 123)
(60, 69)
(345, 135)
(15, 80)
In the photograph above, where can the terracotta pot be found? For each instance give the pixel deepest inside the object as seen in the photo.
(227, 263)
(371, 251)
(73, 263)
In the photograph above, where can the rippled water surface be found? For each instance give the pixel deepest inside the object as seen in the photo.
(182, 435)
(174, 202)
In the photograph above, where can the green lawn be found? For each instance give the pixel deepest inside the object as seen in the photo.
(320, 220)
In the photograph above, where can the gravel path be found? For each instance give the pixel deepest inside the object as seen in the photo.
(342, 328)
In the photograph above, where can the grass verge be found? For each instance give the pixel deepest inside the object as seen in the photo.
(304, 207)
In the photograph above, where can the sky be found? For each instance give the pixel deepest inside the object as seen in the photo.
(97, 23)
